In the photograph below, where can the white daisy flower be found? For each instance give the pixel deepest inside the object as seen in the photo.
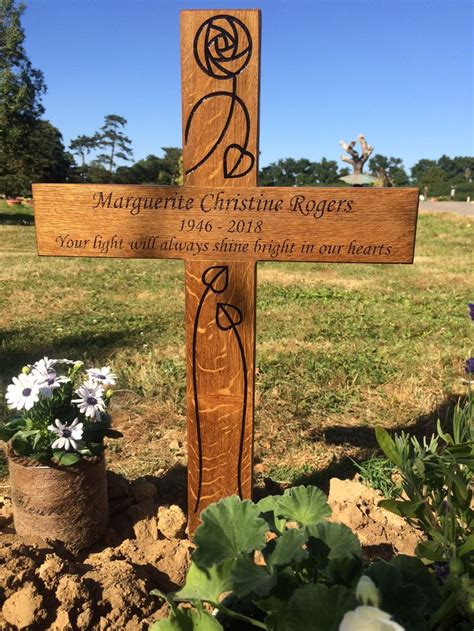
(67, 434)
(368, 619)
(102, 376)
(23, 393)
(47, 379)
(44, 365)
(90, 401)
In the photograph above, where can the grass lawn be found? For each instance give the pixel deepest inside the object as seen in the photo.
(17, 214)
(340, 348)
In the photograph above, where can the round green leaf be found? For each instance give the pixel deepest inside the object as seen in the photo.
(314, 607)
(187, 620)
(340, 539)
(207, 583)
(289, 547)
(229, 528)
(248, 577)
(305, 504)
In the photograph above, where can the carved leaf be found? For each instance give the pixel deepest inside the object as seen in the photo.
(227, 316)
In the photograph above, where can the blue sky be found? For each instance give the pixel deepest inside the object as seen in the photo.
(399, 71)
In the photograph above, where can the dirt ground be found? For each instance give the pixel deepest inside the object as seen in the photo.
(43, 587)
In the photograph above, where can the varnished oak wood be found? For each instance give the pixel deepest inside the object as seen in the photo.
(220, 340)
(65, 215)
(220, 223)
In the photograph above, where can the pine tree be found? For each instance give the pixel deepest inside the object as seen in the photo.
(113, 139)
(82, 146)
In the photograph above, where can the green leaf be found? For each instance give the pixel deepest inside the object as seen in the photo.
(288, 548)
(414, 571)
(66, 459)
(187, 620)
(387, 445)
(6, 433)
(248, 577)
(403, 508)
(430, 550)
(267, 507)
(305, 504)
(403, 600)
(229, 528)
(207, 583)
(467, 546)
(340, 539)
(314, 607)
(20, 446)
(344, 570)
(459, 485)
(277, 601)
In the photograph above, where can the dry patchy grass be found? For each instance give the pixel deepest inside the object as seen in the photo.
(340, 348)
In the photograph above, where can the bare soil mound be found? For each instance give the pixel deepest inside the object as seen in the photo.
(42, 586)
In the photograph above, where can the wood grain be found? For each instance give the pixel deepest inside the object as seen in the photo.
(220, 342)
(221, 224)
(338, 225)
(220, 94)
(220, 59)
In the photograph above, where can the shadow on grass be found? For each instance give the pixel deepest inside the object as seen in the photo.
(16, 219)
(97, 346)
(364, 437)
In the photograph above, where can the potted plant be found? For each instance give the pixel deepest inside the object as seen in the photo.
(55, 445)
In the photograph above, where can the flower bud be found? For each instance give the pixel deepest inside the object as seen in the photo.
(456, 566)
(26, 370)
(367, 592)
(109, 393)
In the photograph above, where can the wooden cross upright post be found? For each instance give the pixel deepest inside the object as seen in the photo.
(220, 223)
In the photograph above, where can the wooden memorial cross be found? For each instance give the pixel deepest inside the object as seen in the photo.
(220, 223)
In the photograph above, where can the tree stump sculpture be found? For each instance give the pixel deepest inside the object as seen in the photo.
(357, 161)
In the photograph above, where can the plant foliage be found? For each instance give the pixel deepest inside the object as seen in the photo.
(280, 565)
(59, 412)
(437, 482)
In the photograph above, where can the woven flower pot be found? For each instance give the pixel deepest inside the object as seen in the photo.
(67, 504)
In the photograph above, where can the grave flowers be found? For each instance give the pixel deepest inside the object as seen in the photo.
(55, 445)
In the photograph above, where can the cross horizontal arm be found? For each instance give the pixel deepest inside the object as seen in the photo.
(341, 225)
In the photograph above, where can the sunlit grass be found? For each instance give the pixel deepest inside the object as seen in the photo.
(340, 348)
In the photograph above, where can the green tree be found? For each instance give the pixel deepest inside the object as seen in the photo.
(419, 170)
(82, 146)
(439, 177)
(171, 166)
(152, 169)
(327, 172)
(459, 169)
(21, 91)
(301, 172)
(390, 171)
(49, 160)
(112, 138)
(435, 181)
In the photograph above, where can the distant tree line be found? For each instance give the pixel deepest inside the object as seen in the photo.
(32, 149)
(434, 177)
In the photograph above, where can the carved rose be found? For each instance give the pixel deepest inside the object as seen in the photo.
(222, 46)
